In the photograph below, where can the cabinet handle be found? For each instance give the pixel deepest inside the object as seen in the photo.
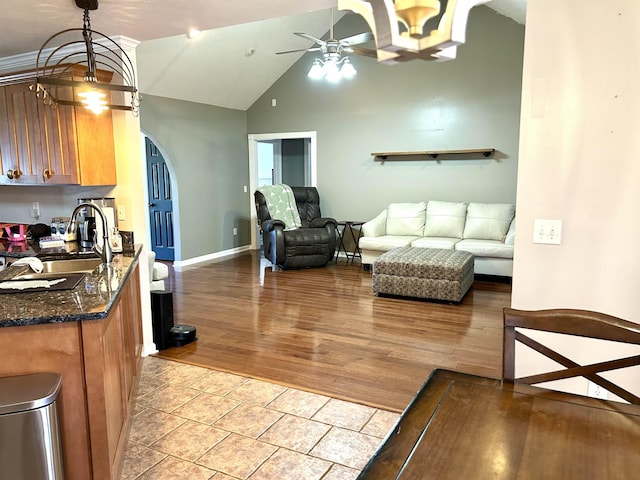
(47, 174)
(13, 174)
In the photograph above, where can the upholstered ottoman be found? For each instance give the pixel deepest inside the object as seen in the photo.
(434, 273)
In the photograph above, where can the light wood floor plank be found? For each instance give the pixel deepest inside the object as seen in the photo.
(323, 330)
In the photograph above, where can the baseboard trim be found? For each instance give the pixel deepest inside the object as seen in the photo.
(179, 264)
(149, 349)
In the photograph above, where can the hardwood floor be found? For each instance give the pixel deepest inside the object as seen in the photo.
(323, 330)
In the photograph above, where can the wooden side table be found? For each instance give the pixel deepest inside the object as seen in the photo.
(348, 229)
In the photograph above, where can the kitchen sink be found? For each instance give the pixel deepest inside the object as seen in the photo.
(52, 268)
(71, 265)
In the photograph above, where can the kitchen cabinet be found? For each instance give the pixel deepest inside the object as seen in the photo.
(44, 146)
(99, 361)
(111, 351)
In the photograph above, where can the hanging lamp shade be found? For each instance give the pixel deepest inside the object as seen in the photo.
(348, 70)
(83, 67)
(317, 71)
(415, 13)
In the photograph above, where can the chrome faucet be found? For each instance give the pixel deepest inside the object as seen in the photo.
(107, 253)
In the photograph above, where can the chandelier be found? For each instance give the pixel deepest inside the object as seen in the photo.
(393, 45)
(106, 71)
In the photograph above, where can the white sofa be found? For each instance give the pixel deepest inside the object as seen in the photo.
(487, 230)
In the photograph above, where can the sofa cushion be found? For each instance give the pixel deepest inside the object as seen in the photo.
(406, 219)
(488, 221)
(445, 219)
(435, 242)
(385, 243)
(485, 248)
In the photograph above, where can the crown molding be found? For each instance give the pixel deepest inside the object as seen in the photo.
(27, 61)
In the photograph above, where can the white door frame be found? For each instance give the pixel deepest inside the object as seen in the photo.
(254, 138)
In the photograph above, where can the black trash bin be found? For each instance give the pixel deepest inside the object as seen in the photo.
(161, 318)
(30, 444)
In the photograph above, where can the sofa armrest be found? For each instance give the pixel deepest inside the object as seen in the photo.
(322, 222)
(510, 237)
(270, 225)
(376, 227)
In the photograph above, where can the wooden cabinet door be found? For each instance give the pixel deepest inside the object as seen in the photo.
(95, 147)
(4, 138)
(42, 145)
(22, 162)
(59, 153)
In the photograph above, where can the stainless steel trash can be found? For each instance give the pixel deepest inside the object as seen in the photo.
(30, 445)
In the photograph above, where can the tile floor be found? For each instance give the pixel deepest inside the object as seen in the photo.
(196, 423)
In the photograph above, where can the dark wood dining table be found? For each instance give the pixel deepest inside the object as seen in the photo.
(462, 426)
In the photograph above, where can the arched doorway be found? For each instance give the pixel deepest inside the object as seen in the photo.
(161, 218)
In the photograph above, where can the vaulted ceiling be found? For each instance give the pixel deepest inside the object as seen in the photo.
(230, 64)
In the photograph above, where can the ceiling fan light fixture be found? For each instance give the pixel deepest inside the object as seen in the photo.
(332, 72)
(317, 70)
(348, 70)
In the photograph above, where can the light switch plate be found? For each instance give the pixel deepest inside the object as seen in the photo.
(547, 231)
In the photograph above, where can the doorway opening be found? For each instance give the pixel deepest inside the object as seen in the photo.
(274, 158)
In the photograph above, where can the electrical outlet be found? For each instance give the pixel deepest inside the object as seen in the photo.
(235, 231)
(35, 209)
(596, 391)
(547, 231)
(122, 213)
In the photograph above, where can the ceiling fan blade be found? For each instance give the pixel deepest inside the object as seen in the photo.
(312, 49)
(292, 51)
(357, 39)
(309, 37)
(365, 52)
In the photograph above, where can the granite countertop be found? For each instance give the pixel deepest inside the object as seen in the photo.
(91, 299)
(17, 249)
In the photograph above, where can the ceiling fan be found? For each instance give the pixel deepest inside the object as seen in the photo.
(334, 64)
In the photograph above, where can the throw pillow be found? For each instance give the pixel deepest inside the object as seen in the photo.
(488, 221)
(406, 218)
(445, 219)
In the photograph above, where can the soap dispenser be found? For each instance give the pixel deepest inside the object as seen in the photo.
(116, 240)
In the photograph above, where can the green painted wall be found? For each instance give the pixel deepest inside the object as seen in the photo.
(293, 161)
(207, 148)
(473, 101)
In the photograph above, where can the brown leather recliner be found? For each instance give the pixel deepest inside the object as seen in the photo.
(312, 245)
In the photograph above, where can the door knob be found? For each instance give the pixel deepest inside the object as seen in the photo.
(152, 204)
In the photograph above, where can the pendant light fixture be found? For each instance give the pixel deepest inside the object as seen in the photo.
(393, 45)
(83, 67)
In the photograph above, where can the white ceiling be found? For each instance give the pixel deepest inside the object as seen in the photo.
(215, 67)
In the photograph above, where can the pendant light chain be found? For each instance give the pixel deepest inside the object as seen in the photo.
(90, 74)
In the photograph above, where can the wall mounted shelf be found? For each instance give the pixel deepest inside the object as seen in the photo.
(432, 154)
